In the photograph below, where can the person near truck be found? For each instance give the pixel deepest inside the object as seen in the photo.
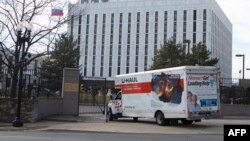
(194, 107)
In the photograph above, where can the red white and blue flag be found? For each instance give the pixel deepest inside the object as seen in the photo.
(57, 12)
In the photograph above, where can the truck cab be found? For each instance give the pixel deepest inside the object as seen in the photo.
(115, 106)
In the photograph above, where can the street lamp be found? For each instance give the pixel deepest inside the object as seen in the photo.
(187, 41)
(22, 38)
(243, 69)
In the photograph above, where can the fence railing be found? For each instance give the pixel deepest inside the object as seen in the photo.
(33, 86)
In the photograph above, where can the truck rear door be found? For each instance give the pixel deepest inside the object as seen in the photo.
(202, 95)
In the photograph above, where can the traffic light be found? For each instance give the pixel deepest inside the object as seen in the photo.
(82, 87)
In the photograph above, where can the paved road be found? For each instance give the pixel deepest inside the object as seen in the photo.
(97, 136)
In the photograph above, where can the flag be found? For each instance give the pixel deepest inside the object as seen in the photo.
(57, 12)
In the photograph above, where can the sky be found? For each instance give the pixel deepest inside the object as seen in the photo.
(237, 12)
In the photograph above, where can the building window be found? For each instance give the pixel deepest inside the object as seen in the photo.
(72, 26)
(137, 41)
(195, 15)
(103, 43)
(94, 44)
(111, 44)
(204, 26)
(88, 19)
(165, 25)
(147, 16)
(204, 38)
(184, 26)
(185, 21)
(184, 36)
(156, 32)
(194, 38)
(128, 41)
(194, 26)
(129, 17)
(110, 71)
(204, 14)
(120, 45)
(175, 24)
(156, 16)
(86, 46)
(138, 17)
(175, 15)
(185, 15)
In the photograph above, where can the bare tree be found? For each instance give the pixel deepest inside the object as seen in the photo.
(46, 27)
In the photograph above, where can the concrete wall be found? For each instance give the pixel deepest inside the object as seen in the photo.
(70, 91)
(31, 110)
(48, 107)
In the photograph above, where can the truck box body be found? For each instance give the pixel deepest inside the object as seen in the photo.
(188, 92)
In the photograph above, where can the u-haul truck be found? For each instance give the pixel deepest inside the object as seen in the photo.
(187, 93)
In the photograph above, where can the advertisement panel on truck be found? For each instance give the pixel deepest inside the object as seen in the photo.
(202, 94)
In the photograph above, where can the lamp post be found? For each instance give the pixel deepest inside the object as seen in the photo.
(187, 41)
(22, 38)
(188, 57)
(243, 69)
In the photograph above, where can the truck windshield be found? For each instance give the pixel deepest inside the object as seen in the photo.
(118, 96)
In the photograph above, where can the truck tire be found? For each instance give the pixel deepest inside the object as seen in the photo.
(160, 119)
(186, 122)
(111, 117)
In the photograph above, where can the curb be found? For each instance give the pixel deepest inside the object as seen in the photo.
(236, 117)
(25, 128)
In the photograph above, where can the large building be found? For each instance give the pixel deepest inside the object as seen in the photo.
(122, 36)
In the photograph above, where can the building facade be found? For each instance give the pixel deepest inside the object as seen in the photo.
(122, 36)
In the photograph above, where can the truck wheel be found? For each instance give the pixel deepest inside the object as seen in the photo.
(160, 119)
(184, 121)
(111, 117)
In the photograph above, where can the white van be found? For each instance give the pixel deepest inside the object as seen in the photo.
(187, 93)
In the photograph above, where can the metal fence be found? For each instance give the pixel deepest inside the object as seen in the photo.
(234, 91)
(33, 85)
(93, 95)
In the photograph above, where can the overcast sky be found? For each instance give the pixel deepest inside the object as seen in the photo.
(238, 13)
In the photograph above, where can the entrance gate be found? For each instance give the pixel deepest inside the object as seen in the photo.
(93, 95)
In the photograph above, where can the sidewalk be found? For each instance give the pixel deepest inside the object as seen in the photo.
(53, 122)
(98, 123)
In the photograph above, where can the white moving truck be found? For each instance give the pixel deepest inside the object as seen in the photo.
(187, 93)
